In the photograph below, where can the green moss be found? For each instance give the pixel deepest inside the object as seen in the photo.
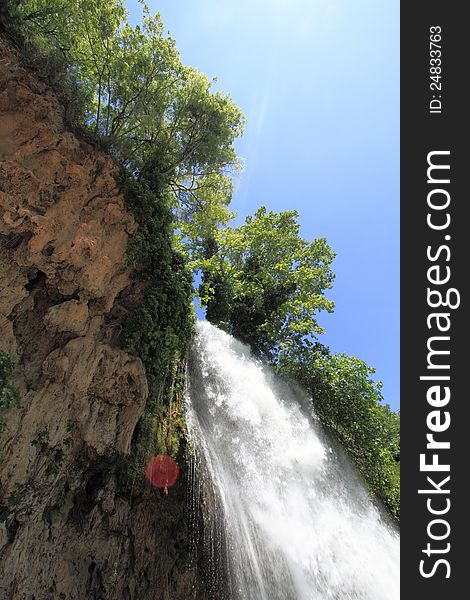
(159, 327)
(162, 324)
(9, 396)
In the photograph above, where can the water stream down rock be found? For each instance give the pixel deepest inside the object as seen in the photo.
(286, 515)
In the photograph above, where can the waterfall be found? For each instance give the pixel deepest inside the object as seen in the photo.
(286, 516)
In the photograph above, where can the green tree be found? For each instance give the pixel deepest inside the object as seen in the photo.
(266, 284)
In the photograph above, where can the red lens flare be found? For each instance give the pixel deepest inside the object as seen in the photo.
(162, 471)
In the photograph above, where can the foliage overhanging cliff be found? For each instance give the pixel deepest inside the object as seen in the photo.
(101, 260)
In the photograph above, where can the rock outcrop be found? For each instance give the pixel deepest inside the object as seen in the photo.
(70, 528)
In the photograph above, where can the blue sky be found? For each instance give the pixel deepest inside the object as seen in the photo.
(319, 83)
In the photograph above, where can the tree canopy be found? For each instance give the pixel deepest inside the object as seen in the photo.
(266, 284)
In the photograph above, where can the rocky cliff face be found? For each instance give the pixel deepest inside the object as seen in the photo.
(69, 530)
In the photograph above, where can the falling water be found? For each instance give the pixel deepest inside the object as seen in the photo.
(286, 516)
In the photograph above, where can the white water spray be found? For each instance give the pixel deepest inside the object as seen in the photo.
(294, 519)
